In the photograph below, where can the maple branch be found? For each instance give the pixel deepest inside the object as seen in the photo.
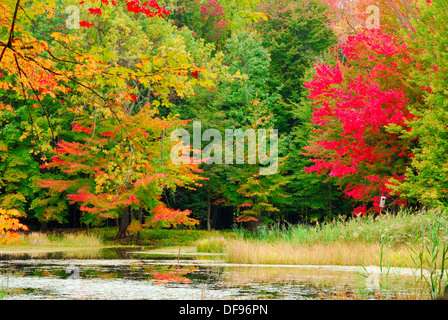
(31, 117)
(94, 124)
(60, 60)
(32, 21)
(11, 32)
(346, 18)
(37, 98)
(14, 18)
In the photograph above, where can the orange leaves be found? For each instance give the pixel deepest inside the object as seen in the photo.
(29, 72)
(117, 152)
(10, 225)
(69, 147)
(55, 185)
(175, 274)
(166, 217)
(243, 218)
(6, 107)
(5, 16)
(245, 204)
(147, 180)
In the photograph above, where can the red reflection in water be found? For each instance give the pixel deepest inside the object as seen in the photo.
(174, 274)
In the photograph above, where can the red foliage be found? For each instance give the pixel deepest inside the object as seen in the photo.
(173, 275)
(246, 218)
(86, 24)
(95, 11)
(110, 134)
(98, 187)
(132, 199)
(82, 197)
(355, 103)
(148, 8)
(78, 128)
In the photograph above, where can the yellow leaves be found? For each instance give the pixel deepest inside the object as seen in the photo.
(253, 16)
(66, 38)
(134, 226)
(13, 199)
(57, 36)
(24, 135)
(158, 63)
(156, 78)
(3, 147)
(11, 213)
(143, 64)
(9, 225)
(5, 16)
(5, 86)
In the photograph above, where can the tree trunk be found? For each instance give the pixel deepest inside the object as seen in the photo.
(43, 226)
(209, 228)
(124, 224)
(140, 215)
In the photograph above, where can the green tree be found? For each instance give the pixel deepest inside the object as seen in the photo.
(427, 177)
(296, 34)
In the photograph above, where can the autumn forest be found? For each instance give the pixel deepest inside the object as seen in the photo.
(91, 92)
(229, 136)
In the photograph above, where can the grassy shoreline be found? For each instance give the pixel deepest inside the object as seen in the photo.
(388, 239)
(103, 238)
(364, 241)
(410, 240)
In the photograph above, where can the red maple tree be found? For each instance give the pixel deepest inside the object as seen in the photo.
(360, 103)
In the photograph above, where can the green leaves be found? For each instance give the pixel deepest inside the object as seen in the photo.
(295, 34)
(427, 175)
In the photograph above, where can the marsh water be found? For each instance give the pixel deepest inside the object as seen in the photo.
(174, 273)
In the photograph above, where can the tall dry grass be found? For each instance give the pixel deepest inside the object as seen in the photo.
(396, 229)
(211, 244)
(334, 253)
(64, 240)
(359, 241)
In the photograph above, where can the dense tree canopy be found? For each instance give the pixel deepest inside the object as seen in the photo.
(91, 92)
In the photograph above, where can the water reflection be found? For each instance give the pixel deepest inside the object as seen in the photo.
(74, 253)
(127, 273)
